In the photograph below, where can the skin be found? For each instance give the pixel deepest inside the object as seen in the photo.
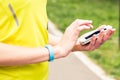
(11, 55)
(96, 42)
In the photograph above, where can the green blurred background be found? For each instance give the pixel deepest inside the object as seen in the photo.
(63, 12)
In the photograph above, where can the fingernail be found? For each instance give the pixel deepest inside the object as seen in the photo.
(114, 29)
(90, 21)
(91, 27)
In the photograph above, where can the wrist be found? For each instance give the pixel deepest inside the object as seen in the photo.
(51, 52)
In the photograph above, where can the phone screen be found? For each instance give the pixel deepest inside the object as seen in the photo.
(96, 32)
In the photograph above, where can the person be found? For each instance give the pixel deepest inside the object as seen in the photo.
(25, 45)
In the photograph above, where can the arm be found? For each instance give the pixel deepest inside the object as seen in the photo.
(15, 55)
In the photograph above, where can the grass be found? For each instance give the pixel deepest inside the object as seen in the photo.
(63, 12)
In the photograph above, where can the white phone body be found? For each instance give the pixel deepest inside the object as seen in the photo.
(86, 38)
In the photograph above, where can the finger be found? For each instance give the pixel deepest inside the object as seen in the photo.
(101, 27)
(113, 30)
(78, 23)
(92, 43)
(83, 27)
(91, 26)
(82, 22)
(108, 34)
(99, 40)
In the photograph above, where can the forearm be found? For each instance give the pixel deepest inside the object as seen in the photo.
(16, 55)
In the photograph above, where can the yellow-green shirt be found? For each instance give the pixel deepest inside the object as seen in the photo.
(24, 23)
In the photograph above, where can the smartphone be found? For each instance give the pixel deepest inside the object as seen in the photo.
(86, 38)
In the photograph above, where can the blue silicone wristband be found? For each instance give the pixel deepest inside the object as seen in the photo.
(51, 52)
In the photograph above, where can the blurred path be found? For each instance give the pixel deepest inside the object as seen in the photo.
(70, 68)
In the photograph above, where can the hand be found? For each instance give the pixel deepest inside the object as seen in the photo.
(96, 42)
(71, 34)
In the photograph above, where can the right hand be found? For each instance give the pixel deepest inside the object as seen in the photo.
(71, 34)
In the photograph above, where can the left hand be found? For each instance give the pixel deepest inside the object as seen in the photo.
(96, 42)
